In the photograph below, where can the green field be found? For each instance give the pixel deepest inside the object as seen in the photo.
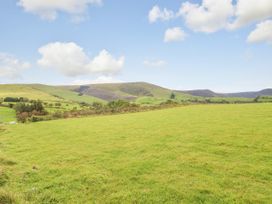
(7, 115)
(25, 91)
(66, 94)
(44, 93)
(191, 154)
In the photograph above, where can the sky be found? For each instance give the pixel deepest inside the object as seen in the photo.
(223, 45)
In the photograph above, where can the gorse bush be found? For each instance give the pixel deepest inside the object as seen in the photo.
(25, 111)
(34, 106)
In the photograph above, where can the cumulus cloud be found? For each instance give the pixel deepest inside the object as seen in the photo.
(213, 15)
(250, 11)
(156, 14)
(71, 60)
(11, 67)
(99, 80)
(48, 9)
(262, 33)
(154, 63)
(174, 34)
(210, 16)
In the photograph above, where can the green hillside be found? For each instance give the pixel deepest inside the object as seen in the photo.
(26, 91)
(192, 154)
(127, 91)
(44, 93)
(66, 94)
(139, 92)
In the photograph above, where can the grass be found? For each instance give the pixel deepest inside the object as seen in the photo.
(192, 154)
(25, 91)
(67, 94)
(136, 90)
(7, 115)
(149, 100)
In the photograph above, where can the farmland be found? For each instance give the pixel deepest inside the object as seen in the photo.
(190, 154)
(7, 115)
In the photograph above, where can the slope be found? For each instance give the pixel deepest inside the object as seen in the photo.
(126, 91)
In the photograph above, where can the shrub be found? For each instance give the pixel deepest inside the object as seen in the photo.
(22, 117)
(97, 105)
(14, 99)
(36, 119)
(172, 96)
(34, 106)
(24, 111)
(57, 115)
(58, 104)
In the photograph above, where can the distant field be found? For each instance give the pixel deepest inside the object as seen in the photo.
(191, 154)
(7, 115)
(25, 91)
(66, 94)
(149, 100)
(45, 93)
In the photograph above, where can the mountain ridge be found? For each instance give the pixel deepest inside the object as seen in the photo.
(141, 92)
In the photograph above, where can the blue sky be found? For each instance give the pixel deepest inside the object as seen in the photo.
(110, 42)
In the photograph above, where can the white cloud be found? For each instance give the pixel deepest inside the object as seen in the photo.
(48, 9)
(250, 11)
(174, 34)
(10, 67)
(262, 33)
(106, 63)
(71, 60)
(154, 63)
(99, 80)
(157, 14)
(210, 16)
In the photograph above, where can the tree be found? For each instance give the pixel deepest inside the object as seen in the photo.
(172, 96)
(257, 99)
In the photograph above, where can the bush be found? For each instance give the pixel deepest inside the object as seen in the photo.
(36, 119)
(34, 106)
(14, 99)
(97, 105)
(172, 96)
(24, 111)
(58, 104)
(57, 115)
(22, 117)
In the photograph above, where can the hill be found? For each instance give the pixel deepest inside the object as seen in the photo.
(209, 93)
(44, 93)
(24, 90)
(264, 92)
(191, 154)
(202, 93)
(139, 92)
(126, 91)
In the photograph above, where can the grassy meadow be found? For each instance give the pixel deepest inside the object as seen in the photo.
(190, 154)
(7, 115)
(26, 91)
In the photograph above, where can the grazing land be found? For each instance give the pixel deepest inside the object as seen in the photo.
(7, 115)
(190, 154)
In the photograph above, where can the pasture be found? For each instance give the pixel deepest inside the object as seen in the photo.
(191, 154)
(7, 115)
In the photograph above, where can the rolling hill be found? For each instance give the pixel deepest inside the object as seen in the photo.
(126, 91)
(44, 92)
(209, 93)
(139, 92)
